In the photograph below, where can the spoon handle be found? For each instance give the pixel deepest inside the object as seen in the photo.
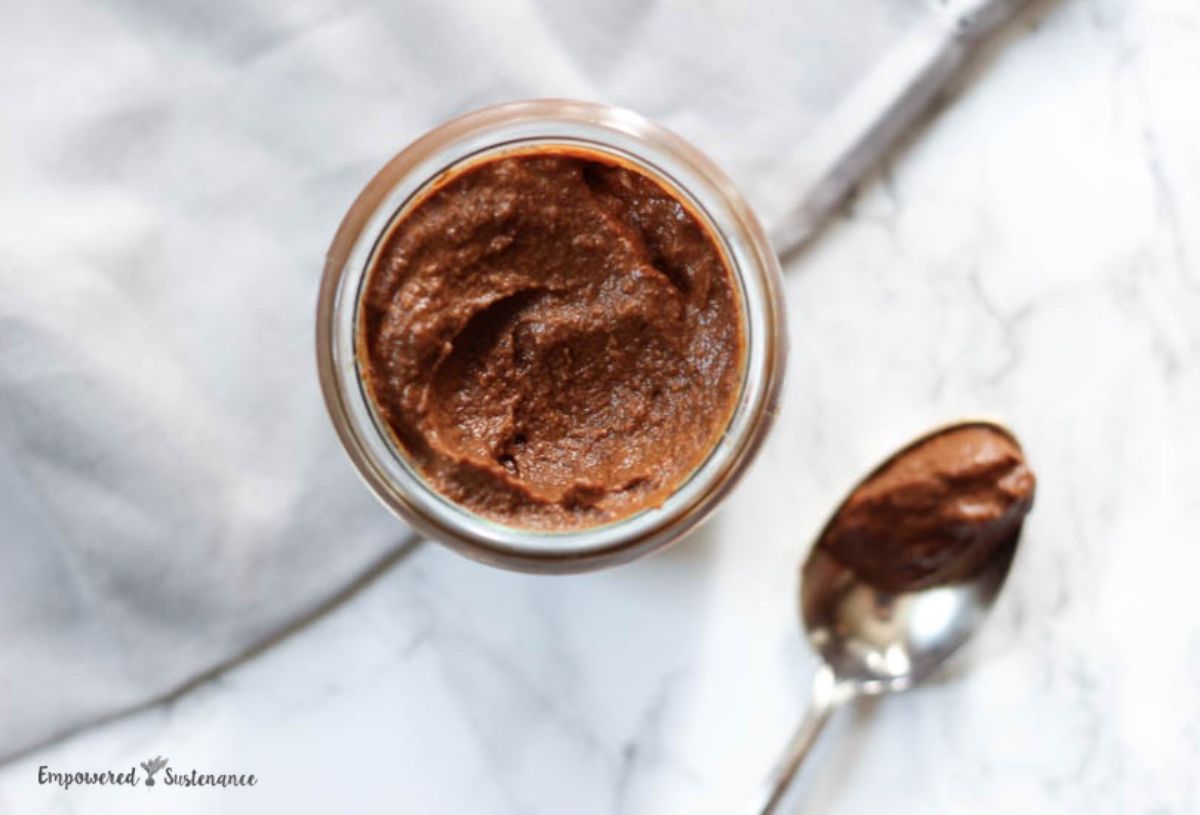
(826, 697)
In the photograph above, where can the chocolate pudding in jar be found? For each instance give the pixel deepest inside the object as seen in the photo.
(551, 335)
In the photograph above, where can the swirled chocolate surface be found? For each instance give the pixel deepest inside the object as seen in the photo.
(553, 338)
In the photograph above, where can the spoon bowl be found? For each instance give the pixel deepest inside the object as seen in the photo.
(880, 641)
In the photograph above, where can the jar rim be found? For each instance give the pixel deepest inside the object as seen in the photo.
(594, 127)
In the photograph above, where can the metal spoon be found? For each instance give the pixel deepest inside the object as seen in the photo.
(873, 642)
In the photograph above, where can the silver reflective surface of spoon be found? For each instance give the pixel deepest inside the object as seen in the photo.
(873, 642)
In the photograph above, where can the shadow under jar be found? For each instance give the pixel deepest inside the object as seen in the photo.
(550, 335)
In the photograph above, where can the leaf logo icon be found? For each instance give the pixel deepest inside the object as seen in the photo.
(151, 767)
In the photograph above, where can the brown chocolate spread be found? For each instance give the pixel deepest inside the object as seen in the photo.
(935, 513)
(553, 338)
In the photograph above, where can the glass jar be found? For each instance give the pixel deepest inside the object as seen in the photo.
(547, 123)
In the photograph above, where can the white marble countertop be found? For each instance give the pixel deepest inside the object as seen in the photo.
(1033, 253)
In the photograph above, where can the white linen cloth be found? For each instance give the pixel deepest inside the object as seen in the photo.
(171, 492)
